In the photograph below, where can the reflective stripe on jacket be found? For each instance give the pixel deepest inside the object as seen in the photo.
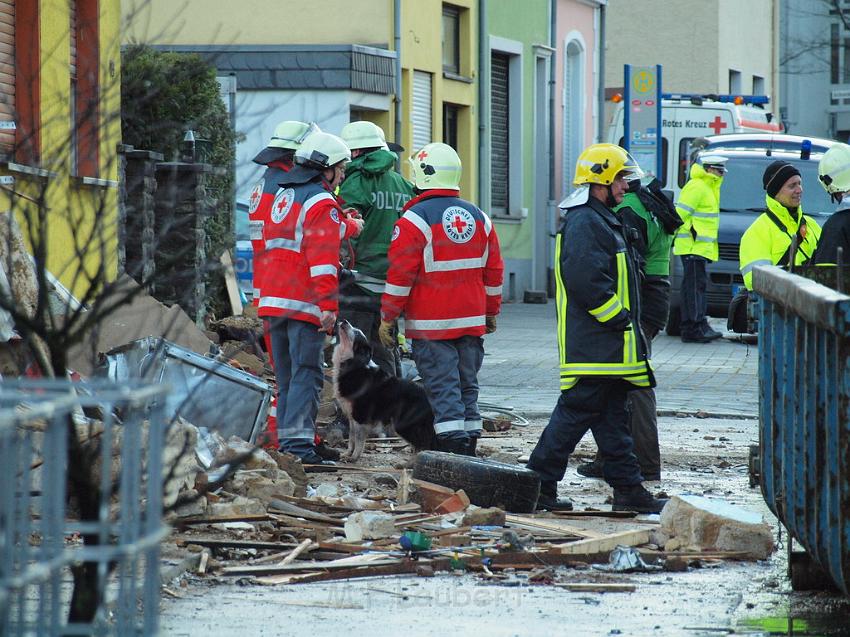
(302, 238)
(259, 206)
(597, 299)
(699, 207)
(445, 271)
(764, 243)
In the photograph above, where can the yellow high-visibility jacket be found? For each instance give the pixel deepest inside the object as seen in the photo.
(764, 243)
(699, 207)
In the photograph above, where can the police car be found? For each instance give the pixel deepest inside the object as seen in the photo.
(742, 200)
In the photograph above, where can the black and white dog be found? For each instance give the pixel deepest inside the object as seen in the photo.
(373, 400)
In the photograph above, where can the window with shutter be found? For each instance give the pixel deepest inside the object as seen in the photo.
(499, 133)
(421, 113)
(7, 75)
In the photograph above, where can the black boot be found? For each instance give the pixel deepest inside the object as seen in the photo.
(549, 500)
(472, 446)
(636, 498)
(590, 469)
(453, 442)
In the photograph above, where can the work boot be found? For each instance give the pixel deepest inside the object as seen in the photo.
(696, 338)
(711, 334)
(590, 469)
(326, 452)
(548, 499)
(472, 446)
(316, 463)
(454, 442)
(636, 498)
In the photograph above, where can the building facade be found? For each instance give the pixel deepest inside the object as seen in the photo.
(725, 46)
(814, 67)
(59, 131)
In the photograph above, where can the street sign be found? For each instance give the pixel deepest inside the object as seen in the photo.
(642, 116)
(839, 93)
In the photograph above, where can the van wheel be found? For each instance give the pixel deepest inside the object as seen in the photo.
(674, 321)
(486, 483)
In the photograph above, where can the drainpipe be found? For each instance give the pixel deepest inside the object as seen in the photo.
(600, 107)
(398, 99)
(553, 36)
(483, 108)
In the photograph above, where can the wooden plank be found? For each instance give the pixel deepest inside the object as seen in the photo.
(234, 544)
(287, 508)
(336, 565)
(298, 550)
(535, 523)
(596, 587)
(405, 567)
(231, 284)
(202, 566)
(605, 543)
(223, 519)
(594, 514)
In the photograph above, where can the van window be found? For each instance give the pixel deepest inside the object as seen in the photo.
(684, 157)
(742, 185)
(663, 178)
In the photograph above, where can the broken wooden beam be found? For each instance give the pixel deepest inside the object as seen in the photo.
(604, 544)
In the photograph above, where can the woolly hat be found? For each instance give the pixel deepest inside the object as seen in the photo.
(776, 175)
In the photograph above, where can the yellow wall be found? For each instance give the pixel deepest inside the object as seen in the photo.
(422, 51)
(82, 220)
(224, 22)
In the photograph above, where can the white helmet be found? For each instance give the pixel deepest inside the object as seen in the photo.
(291, 134)
(363, 135)
(322, 150)
(709, 160)
(435, 166)
(834, 169)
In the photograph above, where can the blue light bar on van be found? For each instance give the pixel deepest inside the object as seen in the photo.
(746, 99)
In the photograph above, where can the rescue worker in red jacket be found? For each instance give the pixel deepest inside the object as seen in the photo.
(445, 276)
(299, 292)
(277, 157)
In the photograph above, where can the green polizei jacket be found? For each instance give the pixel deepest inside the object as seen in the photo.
(378, 193)
(657, 253)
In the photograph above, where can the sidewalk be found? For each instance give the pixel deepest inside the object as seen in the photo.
(521, 368)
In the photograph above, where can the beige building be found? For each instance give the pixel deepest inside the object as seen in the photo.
(722, 46)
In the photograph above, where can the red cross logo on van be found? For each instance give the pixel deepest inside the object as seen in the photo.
(717, 125)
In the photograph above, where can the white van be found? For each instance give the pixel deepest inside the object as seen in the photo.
(687, 117)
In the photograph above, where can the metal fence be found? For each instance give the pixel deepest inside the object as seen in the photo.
(42, 535)
(804, 419)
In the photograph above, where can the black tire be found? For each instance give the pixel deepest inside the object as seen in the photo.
(488, 484)
(674, 321)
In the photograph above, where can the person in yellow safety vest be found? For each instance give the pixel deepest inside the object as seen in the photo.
(768, 239)
(696, 243)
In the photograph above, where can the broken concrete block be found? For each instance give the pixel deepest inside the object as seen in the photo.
(699, 523)
(477, 516)
(369, 525)
(258, 460)
(198, 507)
(327, 490)
(259, 487)
(386, 480)
(238, 506)
(291, 465)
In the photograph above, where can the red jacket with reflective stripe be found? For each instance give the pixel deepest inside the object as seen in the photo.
(259, 207)
(302, 237)
(445, 270)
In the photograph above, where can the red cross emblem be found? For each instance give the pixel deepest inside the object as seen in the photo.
(717, 124)
(459, 224)
(422, 155)
(255, 198)
(281, 204)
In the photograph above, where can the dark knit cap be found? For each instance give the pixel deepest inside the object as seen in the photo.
(776, 175)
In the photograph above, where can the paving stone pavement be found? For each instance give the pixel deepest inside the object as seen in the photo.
(521, 368)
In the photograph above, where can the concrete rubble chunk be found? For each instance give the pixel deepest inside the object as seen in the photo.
(259, 459)
(195, 508)
(699, 523)
(477, 516)
(369, 525)
(291, 465)
(259, 487)
(238, 506)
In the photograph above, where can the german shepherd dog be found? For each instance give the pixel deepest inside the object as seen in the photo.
(372, 399)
